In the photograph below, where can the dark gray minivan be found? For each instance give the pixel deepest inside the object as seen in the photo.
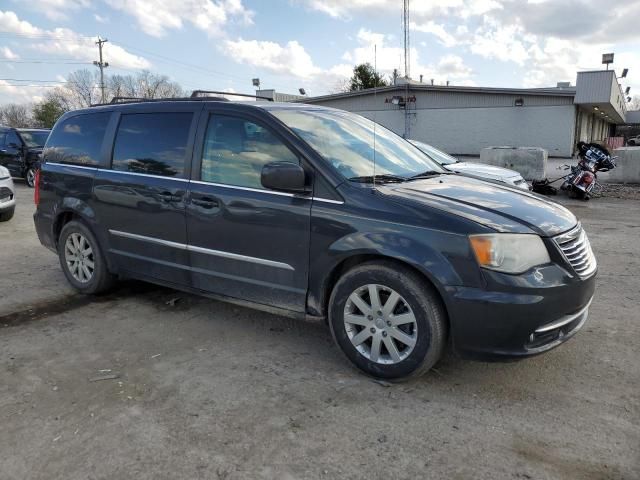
(316, 212)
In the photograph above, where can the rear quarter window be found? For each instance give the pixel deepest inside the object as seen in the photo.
(77, 140)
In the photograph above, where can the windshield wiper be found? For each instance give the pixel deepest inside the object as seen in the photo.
(427, 174)
(384, 178)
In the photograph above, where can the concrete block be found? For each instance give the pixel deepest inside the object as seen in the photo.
(627, 167)
(530, 162)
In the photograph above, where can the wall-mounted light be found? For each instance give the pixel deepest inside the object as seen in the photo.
(596, 108)
(624, 73)
(627, 90)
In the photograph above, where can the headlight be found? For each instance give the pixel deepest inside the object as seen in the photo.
(4, 173)
(509, 252)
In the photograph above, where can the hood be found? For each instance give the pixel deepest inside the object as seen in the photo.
(482, 170)
(503, 209)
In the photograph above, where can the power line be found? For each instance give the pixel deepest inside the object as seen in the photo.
(53, 62)
(29, 80)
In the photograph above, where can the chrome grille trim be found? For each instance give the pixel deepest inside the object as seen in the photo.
(576, 249)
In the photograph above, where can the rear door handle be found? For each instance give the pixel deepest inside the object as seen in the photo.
(169, 197)
(205, 202)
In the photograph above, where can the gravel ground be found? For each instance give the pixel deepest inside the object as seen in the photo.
(137, 384)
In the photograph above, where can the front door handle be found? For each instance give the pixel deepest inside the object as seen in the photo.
(205, 202)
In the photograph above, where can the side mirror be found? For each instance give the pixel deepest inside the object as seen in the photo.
(284, 176)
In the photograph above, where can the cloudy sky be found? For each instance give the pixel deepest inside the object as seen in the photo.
(288, 44)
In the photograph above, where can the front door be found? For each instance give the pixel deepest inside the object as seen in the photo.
(245, 241)
(140, 199)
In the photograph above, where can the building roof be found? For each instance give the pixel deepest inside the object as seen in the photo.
(552, 91)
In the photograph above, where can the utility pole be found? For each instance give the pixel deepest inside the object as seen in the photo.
(101, 65)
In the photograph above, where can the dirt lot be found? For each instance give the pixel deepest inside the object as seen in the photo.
(213, 391)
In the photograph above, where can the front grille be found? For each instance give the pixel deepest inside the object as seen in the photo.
(576, 248)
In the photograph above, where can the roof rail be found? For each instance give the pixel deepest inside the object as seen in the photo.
(199, 94)
(121, 100)
(127, 99)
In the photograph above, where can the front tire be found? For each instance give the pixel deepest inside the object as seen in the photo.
(387, 320)
(82, 260)
(7, 214)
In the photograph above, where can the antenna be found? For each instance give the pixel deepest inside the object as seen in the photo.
(375, 100)
(407, 43)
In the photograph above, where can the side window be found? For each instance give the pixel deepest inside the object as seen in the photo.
(13, 139)
(152, 143)
(78, 140)
(3, 135)
(235, 150)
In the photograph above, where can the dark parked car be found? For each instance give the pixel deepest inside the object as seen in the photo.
(20, 151)
(276, 206)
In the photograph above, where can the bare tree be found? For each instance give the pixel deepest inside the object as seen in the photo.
(143, 85)
(634, 104)
(17, 116)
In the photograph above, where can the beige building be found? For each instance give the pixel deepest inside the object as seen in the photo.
(463, 120)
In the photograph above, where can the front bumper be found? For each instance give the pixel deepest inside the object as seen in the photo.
(527, 317)
(7, 195)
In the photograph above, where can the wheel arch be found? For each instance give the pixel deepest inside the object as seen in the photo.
(356, 259)
(68, 214)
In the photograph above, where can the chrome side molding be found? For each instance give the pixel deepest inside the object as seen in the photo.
(206, 251)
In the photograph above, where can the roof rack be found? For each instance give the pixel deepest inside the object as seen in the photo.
(127, 99)
(200, 93)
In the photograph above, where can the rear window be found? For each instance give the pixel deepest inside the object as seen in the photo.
(78, 140)
(152, 143)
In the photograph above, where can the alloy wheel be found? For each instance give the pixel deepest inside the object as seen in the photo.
(31, 177)
(380, 324)
(79, 257)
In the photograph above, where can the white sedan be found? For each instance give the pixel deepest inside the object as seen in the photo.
(478, 170)
(7, 195)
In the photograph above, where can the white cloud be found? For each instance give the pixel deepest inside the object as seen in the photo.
(156, 17)
(419, 11)
(505, 43)
(63, 41)
(289, 59)
(20, 94)
(450, 67)
(438, 30)
(100, 18)
(54, 9)
(7, 53)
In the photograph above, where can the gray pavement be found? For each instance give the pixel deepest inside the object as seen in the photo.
(135, 384)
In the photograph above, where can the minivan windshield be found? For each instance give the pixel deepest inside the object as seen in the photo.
(438, 155)
(347, 141)
(34, 138)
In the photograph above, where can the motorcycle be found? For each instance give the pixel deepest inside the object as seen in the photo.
(582, 182)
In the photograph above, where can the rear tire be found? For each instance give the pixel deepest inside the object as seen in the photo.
(7, 215)
(399, 334)
(30, 177)
(82, 260)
